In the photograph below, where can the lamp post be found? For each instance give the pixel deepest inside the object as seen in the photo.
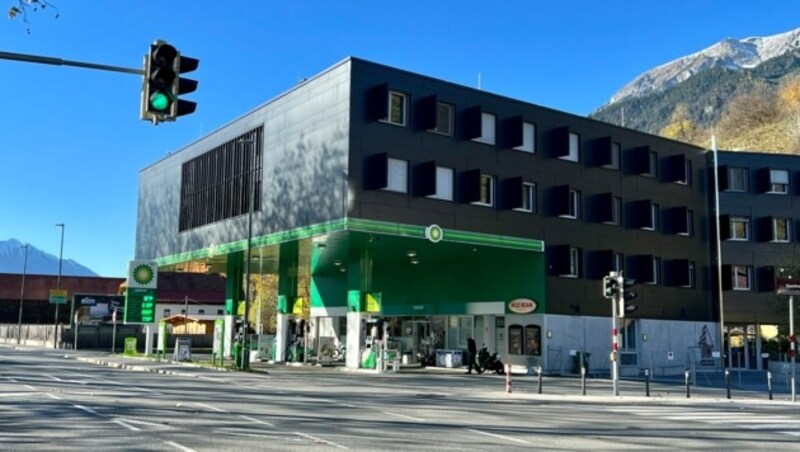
(58, 285)
(251, 189)
(718, 245)
(22, 293)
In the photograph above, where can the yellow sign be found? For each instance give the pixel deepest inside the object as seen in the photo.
(297, 308)
(373, 302)
(240, 308)
(58, 296)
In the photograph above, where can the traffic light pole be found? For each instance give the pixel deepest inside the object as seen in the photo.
(618, 297)
(61, 62)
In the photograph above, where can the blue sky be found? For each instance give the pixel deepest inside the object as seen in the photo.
(72, 144)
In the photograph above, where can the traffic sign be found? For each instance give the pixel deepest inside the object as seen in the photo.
(58, 296)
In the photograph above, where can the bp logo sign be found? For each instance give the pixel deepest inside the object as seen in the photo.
(434, 233)
(142, 275)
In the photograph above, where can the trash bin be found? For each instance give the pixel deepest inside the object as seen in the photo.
(237, 354)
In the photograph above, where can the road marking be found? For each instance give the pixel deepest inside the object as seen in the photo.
(30, 387)
(404, 416)
(128, 426)
(11, 380)
(218, 410)
(248, 418)
(136, 421)
(53, 396)
(314, 438)
(498, 436)
(88, 410)
(18, 394)
(178, 446)
(116, 383)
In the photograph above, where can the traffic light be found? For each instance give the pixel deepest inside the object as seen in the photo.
(162, 84)
(610, 286)
(624, 306)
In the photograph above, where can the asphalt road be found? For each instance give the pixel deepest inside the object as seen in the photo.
(51, 401)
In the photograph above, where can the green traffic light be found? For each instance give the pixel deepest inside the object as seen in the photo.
(159, 101)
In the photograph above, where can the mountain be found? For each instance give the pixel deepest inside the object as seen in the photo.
(12, 259)
(730, 53)
(747, 91)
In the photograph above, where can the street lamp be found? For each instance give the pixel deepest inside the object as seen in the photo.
(719, 256)
(58, 285)
(22, 292)
(251, 188)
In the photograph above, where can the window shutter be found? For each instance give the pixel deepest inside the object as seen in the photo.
(640, 160)
(378, 102)
(512, 193)
(426, 112)
(425, 179)
(642, 214)
(472, 123)
(722, 176)
(559, 260)
(727, 277)
(724, 227)
(677, 168)
(766, 279)
(602, 151)
(471, 186)
(678, 274)
(763, 229)
(512, 131)
(644, 268)
(604, 207)
(376, 172)
(560, 142)
(602, 262)
(762, 180)
(559, 200)
(679, 220)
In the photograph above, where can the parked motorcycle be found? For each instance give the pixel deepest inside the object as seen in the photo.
(489, 362)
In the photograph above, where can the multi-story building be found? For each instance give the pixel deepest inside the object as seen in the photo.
(439, 212)
(758, 236)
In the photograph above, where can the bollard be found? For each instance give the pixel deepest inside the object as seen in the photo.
(686, 376)
(769, 384)
(539, 371)
(583, 380)
(647, 382)
(508, 379)
(728, 382)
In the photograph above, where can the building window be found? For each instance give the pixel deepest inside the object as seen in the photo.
(737, 179)
(616, 211)
(528, 138)
(486, 191)
(574, 263)
(687, 180)
(691, 276)
(444, 119)
(574, 148)
(398, 106)
(167, 312)
(655, 272)
(444, 184)
(618, 263)
(781, 228)
(487, 129)
(574, 200)
(616, 149)
(528, 197)
(740, 228)
(524, 340)
(778, 182)
(220, 312)
(397, 175)
(654, 217)
(689, 228)
(652, 165)
(742, 277)
(201, 311)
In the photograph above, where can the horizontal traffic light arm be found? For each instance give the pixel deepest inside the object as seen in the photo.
(61, 62)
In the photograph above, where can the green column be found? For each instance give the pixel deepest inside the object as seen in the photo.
(287, 276)
(233, 282)
(359, 279)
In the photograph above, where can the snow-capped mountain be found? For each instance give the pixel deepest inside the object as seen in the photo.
(12, 260)
(735, 54)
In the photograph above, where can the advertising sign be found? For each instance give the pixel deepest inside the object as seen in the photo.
(522, 306)
(97, 308)
(142, 274)
(787, 286)
(58, 296)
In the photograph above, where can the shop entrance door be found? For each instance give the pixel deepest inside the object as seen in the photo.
(742, 347)
(421, 346)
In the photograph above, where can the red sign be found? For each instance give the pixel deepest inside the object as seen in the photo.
(787, 286)
(522, 306)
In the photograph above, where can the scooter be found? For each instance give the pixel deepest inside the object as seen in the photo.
(489, 362)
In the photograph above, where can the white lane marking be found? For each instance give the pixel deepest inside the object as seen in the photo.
(314, 438)
(18, 394)
(218, 410)
(497, 436)
(126, 425)
(30, 387)
(53, 396)
(88, 410)
(11, 380)
(136, 421)
(791, 433)
(248, 418)
(404, 416)
(178, 446)
(348, 405)
(53, 377)
(116, 383)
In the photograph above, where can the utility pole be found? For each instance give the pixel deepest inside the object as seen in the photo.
(22, 293)
(58, 285)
